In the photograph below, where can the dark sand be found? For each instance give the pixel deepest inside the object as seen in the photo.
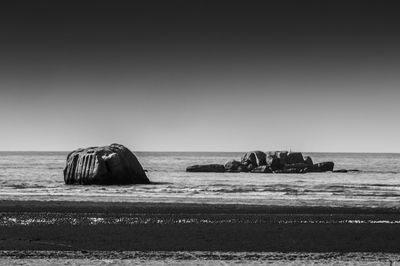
(91, 226)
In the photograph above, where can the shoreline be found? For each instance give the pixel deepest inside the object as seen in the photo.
(177, 256)
(170, 208)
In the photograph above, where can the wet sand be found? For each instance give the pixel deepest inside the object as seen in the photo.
(100, 226)
(193, 258)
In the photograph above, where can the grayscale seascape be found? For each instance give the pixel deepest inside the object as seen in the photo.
(199, 132)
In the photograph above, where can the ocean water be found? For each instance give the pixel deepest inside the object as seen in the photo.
(39, 176)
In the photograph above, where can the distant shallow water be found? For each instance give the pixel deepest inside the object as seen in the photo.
(39, 176)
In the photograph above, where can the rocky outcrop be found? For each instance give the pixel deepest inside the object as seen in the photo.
(207, 168)
(255, 158)
(269, 162)
(108, 165)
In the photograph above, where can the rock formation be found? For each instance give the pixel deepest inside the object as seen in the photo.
(268, 162)
(108, 165)
(255, 158)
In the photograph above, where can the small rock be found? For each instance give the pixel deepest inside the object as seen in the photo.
(322, 167)
(212, 168)
(340, 171)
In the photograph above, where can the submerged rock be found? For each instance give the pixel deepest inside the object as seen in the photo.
(211, 168)
(341, 171)
(108, 165)
(242, 169)
(322, 167)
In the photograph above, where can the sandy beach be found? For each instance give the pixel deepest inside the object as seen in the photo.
(101, 226)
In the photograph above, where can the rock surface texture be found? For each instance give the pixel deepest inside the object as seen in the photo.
(108, 165)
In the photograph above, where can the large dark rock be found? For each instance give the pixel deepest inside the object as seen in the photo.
(294, 157)
(108, 165)
(207, 168)
(322, 167)
(256, 158)
(232, 166)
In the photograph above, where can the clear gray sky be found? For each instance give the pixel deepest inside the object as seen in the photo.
(200, 76)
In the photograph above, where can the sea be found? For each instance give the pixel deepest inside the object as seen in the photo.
(39, 176)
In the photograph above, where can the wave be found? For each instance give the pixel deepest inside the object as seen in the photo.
(24, 186)
(373, 172)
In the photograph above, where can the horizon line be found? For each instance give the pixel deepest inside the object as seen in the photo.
(172, 151)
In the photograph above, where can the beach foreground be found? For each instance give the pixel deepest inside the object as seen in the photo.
(112, 226)
(192, 258)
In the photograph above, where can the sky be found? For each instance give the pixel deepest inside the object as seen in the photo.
(217, 75)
